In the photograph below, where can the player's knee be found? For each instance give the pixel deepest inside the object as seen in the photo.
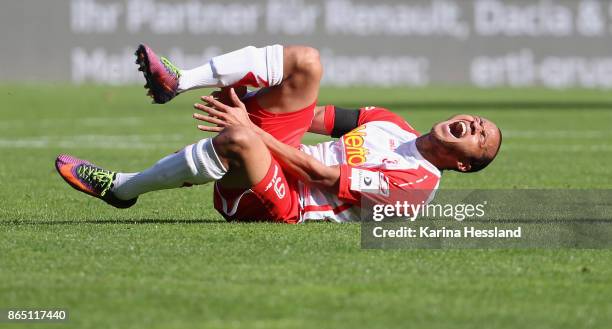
(308, 60)
(235, 141)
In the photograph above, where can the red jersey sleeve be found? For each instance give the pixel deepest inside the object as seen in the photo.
(386, 186)
(366, 114)
(329, 118)
(372, 113)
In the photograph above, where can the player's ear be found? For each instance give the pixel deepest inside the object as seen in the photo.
(463, 166)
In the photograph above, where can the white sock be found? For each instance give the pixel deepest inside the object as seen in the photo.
(257, 67)
(195, 164)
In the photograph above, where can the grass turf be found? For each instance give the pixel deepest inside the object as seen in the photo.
(171, 262)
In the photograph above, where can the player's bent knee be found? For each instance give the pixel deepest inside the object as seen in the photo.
(233, 142)
(310, 61)
(306, 60)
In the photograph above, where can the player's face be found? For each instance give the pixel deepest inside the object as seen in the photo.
(466, 136)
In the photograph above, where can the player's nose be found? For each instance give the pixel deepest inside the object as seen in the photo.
(477, 125)
(473, 127)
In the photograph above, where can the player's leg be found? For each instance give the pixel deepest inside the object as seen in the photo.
(250, 191)
(301, 81)
(237, 153)
(286, 111)
(258, 67)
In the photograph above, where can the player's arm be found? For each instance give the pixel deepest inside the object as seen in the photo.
(334, 121)
(301, 165)
(294, 161)
(386, 186)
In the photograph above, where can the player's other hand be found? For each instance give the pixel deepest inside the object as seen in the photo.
(222, 115)
(223, 94)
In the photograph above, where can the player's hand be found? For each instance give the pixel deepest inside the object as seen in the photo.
(221, 115)
(223, 94)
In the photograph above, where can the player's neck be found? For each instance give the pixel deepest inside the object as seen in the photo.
(430, 152)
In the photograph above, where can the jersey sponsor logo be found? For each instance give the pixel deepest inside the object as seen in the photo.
(353, 146)
(367, 181)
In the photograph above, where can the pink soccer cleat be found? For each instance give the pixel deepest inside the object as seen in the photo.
(162, 76)
(90, 179)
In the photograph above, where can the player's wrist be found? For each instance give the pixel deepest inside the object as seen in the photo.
(257, 129)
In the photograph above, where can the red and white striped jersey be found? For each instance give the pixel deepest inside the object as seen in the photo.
(376, 158)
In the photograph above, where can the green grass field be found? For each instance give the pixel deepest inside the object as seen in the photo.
(172, 262)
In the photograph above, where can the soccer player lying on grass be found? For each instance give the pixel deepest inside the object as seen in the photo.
(260, 169)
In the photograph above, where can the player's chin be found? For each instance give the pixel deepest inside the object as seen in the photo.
(439, 131)
(444, 138)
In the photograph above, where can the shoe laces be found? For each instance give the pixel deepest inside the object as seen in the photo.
(171, 68)
(99, 179)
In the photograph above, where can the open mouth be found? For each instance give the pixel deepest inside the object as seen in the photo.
(458, 129)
